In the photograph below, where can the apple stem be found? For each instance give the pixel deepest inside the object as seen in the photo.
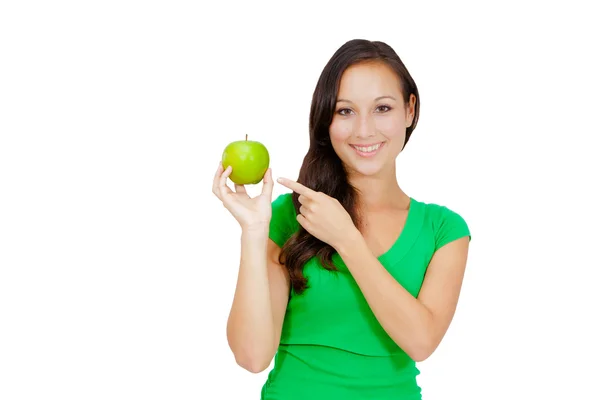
(246, 137)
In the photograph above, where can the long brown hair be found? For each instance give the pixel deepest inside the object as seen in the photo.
(322, 169)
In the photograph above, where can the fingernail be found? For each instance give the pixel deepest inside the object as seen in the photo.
(279, 180)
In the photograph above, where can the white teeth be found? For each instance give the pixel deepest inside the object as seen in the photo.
(368, 149)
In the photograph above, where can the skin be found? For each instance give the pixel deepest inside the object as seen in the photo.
(417, 325)
(261, 293)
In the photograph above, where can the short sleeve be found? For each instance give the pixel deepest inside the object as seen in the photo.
(283, 219)
(451, 226)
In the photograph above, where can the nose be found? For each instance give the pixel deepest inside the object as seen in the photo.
(365, 127)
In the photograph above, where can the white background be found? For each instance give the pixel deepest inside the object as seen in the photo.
(118, 265)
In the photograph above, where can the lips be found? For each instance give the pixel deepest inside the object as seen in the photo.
(367, 150)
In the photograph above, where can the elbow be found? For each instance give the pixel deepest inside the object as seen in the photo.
(422, 349)
(254, 364)
(251, 357)
(420, 355)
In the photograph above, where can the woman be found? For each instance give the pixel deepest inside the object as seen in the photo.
(346, 280)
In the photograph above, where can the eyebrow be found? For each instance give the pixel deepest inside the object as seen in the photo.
(377, 99)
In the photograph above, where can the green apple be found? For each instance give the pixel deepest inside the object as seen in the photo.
(249, 160)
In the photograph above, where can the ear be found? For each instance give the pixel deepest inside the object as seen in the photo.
(411, 110)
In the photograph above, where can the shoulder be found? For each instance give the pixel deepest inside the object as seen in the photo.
(446, 223)
(283, 200)
(283, 218)
(283, 207)
(438, 212)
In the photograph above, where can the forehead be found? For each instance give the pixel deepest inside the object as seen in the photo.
(369, 80)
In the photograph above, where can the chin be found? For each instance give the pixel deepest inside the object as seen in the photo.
(365, 170)
(363, 167)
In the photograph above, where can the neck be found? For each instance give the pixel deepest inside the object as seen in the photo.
(379, 191)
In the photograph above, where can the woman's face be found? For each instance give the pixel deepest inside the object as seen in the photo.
(370, 119)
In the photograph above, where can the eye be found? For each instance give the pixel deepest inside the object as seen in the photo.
(344, 111)
(383, 108)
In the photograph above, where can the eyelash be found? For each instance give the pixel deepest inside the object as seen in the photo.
(347, 109)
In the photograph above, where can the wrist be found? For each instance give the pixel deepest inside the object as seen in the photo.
(349, 242)
(258, 229)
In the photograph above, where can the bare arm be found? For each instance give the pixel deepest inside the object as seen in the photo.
(417, 325)
(261, 294)
(259, 304)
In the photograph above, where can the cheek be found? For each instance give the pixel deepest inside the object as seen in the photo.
(340, 131)
(392, 128)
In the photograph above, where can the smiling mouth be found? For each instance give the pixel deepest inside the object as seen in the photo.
(367, 151)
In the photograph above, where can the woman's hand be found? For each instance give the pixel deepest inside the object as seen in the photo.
(251, 213)
(321, 215)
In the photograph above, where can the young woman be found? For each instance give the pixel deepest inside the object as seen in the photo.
(346, 280)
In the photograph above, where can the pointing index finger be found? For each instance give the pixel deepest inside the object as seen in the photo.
(296, 187)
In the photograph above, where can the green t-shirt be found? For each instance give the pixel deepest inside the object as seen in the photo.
(332, 345)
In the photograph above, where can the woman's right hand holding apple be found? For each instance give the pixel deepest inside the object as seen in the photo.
(251, 213)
